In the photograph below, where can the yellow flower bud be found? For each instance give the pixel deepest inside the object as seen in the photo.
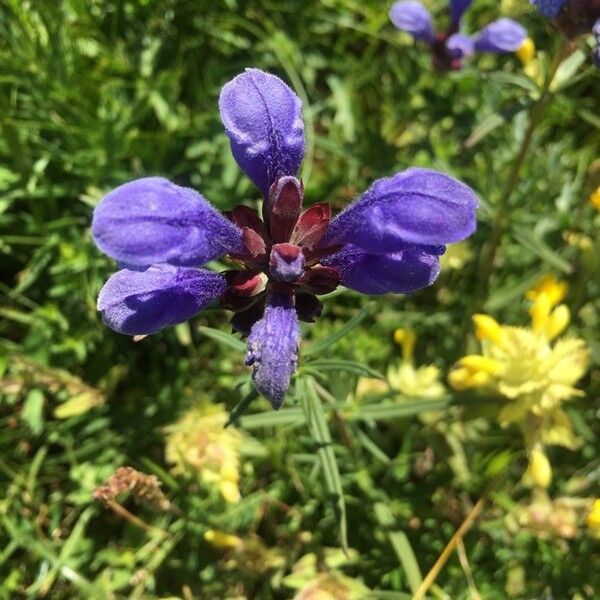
(459, 378)
(475, 362)
(558, 321)
(220, 539)
(594, 198)
(548, 284)
(230, 491)
(540, 311)
(406, 338)
(526, 53)
(487, 327)
(539, 469)
(593, 518)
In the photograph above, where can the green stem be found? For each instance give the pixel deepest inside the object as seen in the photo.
(501, 218)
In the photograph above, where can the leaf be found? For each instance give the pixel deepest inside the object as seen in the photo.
(401, 546)
(32, 412)
(78, 405)
(271, 418)
(567, 70)
(339, 364)
(492, 122)
(533, 243)
(317, 347)
(226, 339)
(397, 410)
(514, 79)
(319, 431)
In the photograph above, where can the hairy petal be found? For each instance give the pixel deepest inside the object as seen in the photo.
(549, 8)
(460, 45)
(411, 16)
(262, 117)
(273, 349)
(503, 35)
(398, 272)
(416, 206)
(457, 8)
(152, 220)
(143, 302)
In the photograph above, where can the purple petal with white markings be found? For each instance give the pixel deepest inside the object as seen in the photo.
(143, 302)
(263, 119)
(503, 35)
(414, 207)
(375, 274)
(411, 16)
(273, 349)
(152, 220)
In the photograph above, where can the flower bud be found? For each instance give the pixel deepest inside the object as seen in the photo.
(539, 469)
(487, 327)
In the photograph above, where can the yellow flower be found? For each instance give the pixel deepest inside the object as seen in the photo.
(532, 371)
(332, 586)
(593, 519)
(222, 540)
(539, 470)
(415, 382)
(198, 444)
(594, 198)
(526, 53)
(556, 290)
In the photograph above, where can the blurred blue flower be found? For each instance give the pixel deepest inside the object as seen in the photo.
(389, 240)
(548, 8)
(573, 18)
(449, 48)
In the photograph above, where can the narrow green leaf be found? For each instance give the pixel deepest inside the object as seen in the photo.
(401, 546)
(492, 122)
(319, 430)
(321, 345)
(533, 243)
(339, 364)
(271, 418)
(397, 410)
(32, 412)
(567, 70)
(226, 339)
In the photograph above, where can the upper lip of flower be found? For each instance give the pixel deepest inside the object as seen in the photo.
(388, 240)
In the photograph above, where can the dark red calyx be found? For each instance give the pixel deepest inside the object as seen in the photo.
(311, 226)
(286, 262)
(242, 321)
(308, 307)
(244, 216)
(243, 287)
(285, 203)
(254, 242)
(321, 280)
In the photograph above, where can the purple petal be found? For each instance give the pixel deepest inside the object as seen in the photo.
(460, 45)
(375, 274)
(262, 117)
(143, 302)
(457, 9)
(596, 56)
(273, 347)
(152, 220)
(548, 8)
(503, 35)
(416, 206)
(411, 16)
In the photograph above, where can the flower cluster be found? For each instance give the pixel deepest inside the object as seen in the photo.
(533, 370)
(200, 444)
(389, 240)
(574, 17)
(449, 48)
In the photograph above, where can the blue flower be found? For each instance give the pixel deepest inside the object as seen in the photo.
(549, 8)
(161, 234)
(449, 48)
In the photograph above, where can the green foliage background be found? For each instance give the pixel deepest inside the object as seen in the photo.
(97, 92)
